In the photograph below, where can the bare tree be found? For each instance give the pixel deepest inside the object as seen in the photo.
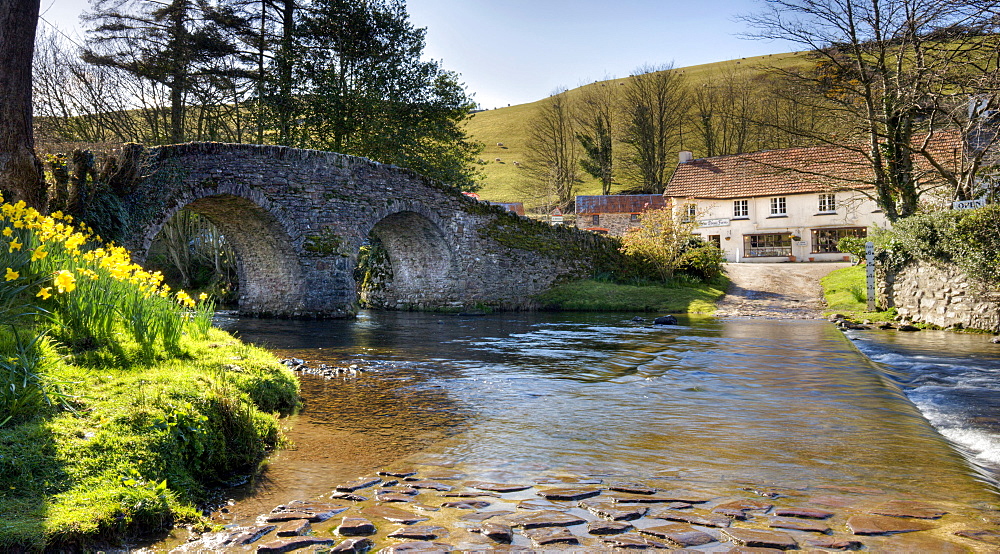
(20, 169)
(892, 71)
(596, 117)
(655, 108)
(553, 158)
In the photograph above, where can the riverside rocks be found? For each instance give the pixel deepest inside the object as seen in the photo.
(619, 515)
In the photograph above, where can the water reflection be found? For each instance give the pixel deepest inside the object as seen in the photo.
(770, 402)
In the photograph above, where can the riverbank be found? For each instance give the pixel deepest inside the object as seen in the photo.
(688, 296)
(141, 445)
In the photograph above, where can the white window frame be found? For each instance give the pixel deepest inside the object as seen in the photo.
(779, 205)
(828, 203)
(741, 208)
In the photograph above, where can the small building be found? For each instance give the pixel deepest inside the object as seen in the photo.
(792, 204)
(614, 214)
(513, 207)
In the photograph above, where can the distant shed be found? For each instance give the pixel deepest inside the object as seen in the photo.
(614, 213)
(515, 207)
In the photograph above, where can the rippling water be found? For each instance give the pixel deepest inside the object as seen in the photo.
(771, 403)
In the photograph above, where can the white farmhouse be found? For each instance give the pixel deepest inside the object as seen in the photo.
(792, 204)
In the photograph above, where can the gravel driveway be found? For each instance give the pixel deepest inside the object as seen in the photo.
(776, 290)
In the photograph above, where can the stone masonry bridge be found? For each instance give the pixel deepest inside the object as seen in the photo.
(297, 218)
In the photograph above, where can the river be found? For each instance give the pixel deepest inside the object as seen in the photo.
(786, 408)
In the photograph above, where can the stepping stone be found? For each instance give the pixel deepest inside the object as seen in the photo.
(399, 490)
(688, 497)
(433, 485)
(417, 546)
(766, 493)
(349, 496)
(884, 525)
(358, 484)
(292, 543)
(797, 525)
(680, 535)
(607, 527)
(745, 505)
(466, 504)
(609, 510)
(568, 494)
(695, 518)
(632, 488)
(763, 539)
(835, 544)
(294, 528)
(247, 535)
(315, 517)
(483, 516)
(400, 474)
(753, 550)
(497, 532)
(467, 494)
(982, 535)
(546, 518)
(539, 504)
(908, 508)
(418, 532)
(393, 497)
(357, 545)
(355, 527)
(632, 541)
(497, 487)
(733, 514)
(551, 535)
(394, 515)
(425, 507)
(808, 513)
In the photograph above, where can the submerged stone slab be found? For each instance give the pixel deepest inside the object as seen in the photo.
(294, 528)
(540, 504)
(607, 527)
(745, 505)
(466, 504)
(631, 488)
(798, 525)
(808, 513)
(551, 535)
(763, 539)
(497, 487)
(483, 516)
(699, 517)
(432, 485)
(393, 497)
(357, 545)
(292, 543)
(392, 514)
(358, 484)
(908, 508)
(398, 473)
(834, 543)
(349, 496)
(313, 516)
(614, 512)
(546, 518)
(679, 535)
(982, 535)
(687, 497)
(884, 525)
(568, 493)
(247, 535)
(417, 546)
(497, 532)
(356, 527)
(418, 532)
(468, 494)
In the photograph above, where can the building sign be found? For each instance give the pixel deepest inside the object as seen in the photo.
(720, 222)
(556, 217)
(968, 204)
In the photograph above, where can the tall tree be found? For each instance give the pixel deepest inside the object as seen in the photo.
(656, 106)
(20, 169)
(553, 158)
(595, 124)
(892, 70)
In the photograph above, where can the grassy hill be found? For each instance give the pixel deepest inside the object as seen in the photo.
(509, 127)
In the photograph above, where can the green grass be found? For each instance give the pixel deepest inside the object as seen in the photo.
(510, 127)
(600, 296)
(143, 443)
(845, 293)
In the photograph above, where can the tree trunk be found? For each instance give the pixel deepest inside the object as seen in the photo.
(20, 170)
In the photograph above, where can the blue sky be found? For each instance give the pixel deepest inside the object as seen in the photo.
(517, 51)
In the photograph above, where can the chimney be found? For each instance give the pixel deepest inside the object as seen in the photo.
(686, 156)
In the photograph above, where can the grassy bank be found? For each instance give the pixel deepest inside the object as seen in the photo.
(120, 406)
(845, 292)
(676, 298)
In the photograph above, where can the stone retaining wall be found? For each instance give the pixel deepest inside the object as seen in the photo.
(941, 295)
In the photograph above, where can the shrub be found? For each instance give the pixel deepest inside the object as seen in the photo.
(703, 261)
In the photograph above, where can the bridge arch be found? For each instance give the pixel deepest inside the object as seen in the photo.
(268, 269)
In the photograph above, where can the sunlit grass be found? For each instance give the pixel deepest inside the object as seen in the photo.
(845, 292)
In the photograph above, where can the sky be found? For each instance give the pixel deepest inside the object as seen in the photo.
(516, 51)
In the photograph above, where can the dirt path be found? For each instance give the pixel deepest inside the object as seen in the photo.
(775, 291)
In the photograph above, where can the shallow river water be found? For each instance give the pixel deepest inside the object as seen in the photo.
(726, 407)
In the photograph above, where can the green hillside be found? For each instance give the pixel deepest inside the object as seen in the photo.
(509, 127)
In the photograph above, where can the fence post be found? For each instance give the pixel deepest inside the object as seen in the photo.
(870, 273)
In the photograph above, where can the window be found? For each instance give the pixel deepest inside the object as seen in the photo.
(824, 241)
(828, 203)
(633, 217)
(778, 206)
(741, 208)
(768, 245)
(690, 212)
(595, 219)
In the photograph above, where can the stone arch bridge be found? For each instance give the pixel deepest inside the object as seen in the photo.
(297, 219)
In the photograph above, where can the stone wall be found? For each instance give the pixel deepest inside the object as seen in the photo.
(941, 295)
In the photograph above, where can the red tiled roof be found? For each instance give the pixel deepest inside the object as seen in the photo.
(516, 207)
(618, 203)
(786, 171)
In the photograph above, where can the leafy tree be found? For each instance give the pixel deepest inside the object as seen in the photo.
(20, 169)
(553, 160)
(898, 74)
(655, 104)
(595, 123)
(662, 238)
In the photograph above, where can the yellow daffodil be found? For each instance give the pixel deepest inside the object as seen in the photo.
(65, 281)
(202, 297)
(11, 275)
(7, 231)
(44, 293)
(14, 245)
(38, 254)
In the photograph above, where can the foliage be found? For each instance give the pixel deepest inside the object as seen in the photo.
(662, 238)
(191, 253)
(702, 260)
(655, 109)
(552, 154)
(855, 246)
(845, 292)
(678, 296)
(595, 122)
